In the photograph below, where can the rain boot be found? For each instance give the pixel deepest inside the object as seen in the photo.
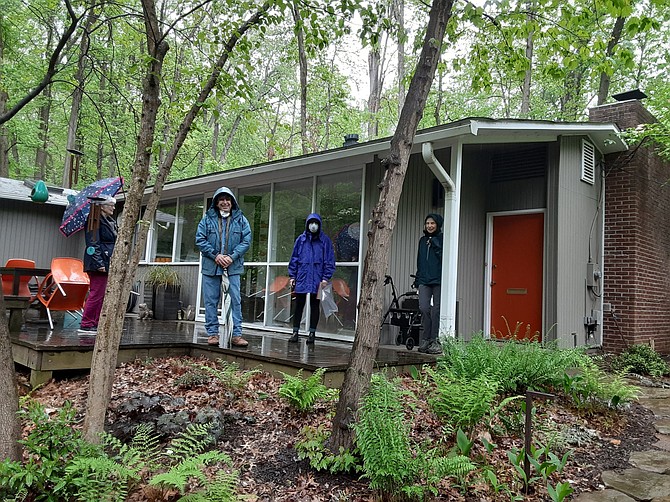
(311, 337)
(294, 338)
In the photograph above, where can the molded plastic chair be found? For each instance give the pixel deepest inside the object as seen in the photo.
(65, 288)
(24, 281)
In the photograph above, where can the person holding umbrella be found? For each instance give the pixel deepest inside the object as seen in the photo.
(311, 266)
(101, 232)
(223, 237)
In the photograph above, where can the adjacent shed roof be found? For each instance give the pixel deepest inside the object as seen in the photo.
(21, 190)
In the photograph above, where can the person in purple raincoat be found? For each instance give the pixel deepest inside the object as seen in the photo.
(312, 264)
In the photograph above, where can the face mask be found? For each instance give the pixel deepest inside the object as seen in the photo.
(313, 227)
(224, 215)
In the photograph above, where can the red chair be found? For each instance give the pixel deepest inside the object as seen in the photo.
(65, 288)
(24, 281)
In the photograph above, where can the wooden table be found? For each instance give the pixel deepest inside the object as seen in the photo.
(15, 303)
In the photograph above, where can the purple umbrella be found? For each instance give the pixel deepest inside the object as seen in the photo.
(74, 218)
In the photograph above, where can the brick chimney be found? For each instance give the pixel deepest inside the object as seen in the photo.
(636, 296)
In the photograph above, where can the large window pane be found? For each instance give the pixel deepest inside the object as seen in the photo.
(255, 204)
(338, 201)
(278, 303)
(345, 286)
(292, 204)
(163, 237)
(252, 287)
(190, 214)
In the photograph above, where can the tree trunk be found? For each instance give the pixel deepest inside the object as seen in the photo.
(126, 257)
(374, 72)
(525, 90)
(4, 138)
(399, 14)
(77, 95)
(605, 79)
(10, 426)
(302, 59)
(41, 155)
(366, 340)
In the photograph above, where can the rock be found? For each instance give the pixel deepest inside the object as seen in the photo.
(651, 460)
(604, 496)
(662, 426)
(639, 484)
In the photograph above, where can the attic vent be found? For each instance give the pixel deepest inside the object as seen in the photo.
(520, 163)
(588, 162)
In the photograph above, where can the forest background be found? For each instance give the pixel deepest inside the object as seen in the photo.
(303, 81)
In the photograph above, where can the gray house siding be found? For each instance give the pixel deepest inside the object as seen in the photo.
(578, 240)
(29, 230)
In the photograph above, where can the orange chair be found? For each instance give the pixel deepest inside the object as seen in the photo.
(24, 281)
(65, 288)
(341, 287)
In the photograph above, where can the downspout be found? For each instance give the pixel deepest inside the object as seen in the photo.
(452, 188)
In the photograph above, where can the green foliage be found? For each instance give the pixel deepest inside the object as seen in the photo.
(543, 464)
(303, 393)
(188, 470)
(195, 439)
(390, 461)
(591, 387)
(313, 446)
(461, 401)
(228, 373)
(516, 366)
(641, 359)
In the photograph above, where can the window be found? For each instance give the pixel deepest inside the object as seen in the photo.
(293, 201)
(190, 214)
(255, 204)
(163, 235)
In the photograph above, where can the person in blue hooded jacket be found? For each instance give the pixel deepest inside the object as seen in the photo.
(312, 264)
(429, 279)
(223, 236)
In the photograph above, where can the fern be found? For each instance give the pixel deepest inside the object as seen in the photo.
(229, 374)
(195, 439)
(313, 447)
(188, 469)
(101, 478)
(223, 489)
(303, 393)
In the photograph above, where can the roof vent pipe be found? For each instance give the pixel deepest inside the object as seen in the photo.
(350, 139)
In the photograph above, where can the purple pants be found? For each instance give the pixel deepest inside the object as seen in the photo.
(94, 302)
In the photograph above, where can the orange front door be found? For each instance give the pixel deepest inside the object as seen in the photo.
(516, 276)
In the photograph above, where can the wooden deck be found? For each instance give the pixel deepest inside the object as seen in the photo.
(44, 351)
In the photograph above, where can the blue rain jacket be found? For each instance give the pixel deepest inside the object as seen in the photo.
(313, 259)
(212, 241)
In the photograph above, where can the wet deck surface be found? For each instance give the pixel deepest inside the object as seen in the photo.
(45, 351)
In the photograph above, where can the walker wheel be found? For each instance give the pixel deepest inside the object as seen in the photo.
(409, 343)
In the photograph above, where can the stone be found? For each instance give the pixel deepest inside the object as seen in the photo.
(654, 393)
(660, 407)
(663, 442)
(639, 484)
(651, 460)
(662, 426)
(604, 496)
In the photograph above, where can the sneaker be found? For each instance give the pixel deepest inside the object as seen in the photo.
(238, 341)
(88, 330)
(294, 338)
(434, 348)
(423, 346)
(213, 340)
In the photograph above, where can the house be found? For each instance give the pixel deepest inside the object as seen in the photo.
(524, 229)
(30, 229)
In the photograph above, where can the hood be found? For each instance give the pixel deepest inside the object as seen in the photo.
(438, 219)
(313, 216)
(220, 191)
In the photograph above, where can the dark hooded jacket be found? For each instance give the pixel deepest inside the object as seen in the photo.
(100, 245)
(217, 235)
(429, 255)
(313, 259)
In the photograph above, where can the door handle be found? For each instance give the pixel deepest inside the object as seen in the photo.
(493, 283)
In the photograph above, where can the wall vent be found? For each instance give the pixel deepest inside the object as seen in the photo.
(519, 163)
(588, 162)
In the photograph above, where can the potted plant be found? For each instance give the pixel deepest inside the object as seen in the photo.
(165, 285)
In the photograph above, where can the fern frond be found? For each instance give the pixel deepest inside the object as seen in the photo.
(188, 469)
(195, 439)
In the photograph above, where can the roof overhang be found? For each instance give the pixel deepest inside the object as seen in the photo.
(468, 131)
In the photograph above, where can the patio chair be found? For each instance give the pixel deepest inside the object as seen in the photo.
(24, 281)
(65, 288)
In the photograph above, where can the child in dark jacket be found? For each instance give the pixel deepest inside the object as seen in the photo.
(312, 265)
(429, 279)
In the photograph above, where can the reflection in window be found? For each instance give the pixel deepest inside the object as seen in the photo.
(164, 223)
(338, 201)
(292, 204)
(252, 287)
(255, 204)
(278, 306)
(190, 214)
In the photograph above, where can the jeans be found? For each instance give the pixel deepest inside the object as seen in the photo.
(430, 314)
(211, 289)
(96, 294)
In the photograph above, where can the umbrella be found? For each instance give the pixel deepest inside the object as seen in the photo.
(226, 311)
(74, 218)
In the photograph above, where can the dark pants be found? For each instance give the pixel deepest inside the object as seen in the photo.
(430, 314)
(315, 311)
(96, 295)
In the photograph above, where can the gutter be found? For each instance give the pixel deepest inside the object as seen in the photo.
(438, 170)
